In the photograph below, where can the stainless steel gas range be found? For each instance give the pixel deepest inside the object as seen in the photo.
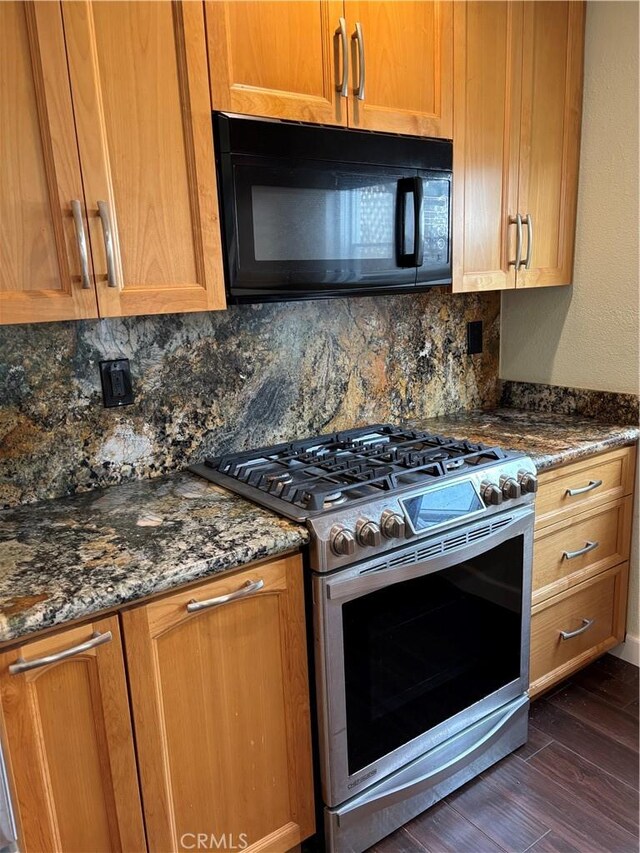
(420, 554)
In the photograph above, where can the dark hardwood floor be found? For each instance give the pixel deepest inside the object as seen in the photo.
(573, 788)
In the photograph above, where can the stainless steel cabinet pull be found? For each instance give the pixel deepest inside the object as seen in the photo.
(343, 85)
(103, 211)
(586, 624)
(593, 484)
(571, 555)
(246, 589)
(359, 38)
(528, 221)
(76, 209)
(517, 221)
(97, 639)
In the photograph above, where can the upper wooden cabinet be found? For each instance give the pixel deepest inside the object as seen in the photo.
(40, 268)
(143, 118)
(550, 118)
(276, 59)
(373, 65)
(516, 142)
(218, 677)
(69, 744)
(407, 66)
(106, 104)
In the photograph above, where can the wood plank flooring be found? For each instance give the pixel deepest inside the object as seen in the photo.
(573, 788)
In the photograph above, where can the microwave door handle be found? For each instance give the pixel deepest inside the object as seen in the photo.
(418, 228)
(405, 186)
(410, 186)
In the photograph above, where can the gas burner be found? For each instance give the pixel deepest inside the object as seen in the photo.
(284, 478)
(454, 463)
(335, 499)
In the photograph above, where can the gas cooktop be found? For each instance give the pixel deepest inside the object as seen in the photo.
(369, 490)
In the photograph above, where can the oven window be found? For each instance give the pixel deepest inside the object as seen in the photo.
(420, 651)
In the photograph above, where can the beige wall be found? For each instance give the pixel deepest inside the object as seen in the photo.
(586, 336)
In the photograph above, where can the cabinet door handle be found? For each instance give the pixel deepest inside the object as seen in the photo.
(81, 236)
(593, 484)
(103, 211)
(568, 635)
(362, 70)
(571, 555)
(97, 639)
(528, 221)
(517, 221)
(246, 589)
(341, 32)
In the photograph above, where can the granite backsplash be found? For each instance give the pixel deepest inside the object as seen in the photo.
(606, 406)
(208, 383)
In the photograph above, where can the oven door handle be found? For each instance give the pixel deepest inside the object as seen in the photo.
(388, 796)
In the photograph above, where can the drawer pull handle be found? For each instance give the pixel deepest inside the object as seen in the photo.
(97, 639)
(568, 635)
(246, 589)
(593, 484)
(571, 555)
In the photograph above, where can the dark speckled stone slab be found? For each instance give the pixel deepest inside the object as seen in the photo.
(66, 559)
(549, 438)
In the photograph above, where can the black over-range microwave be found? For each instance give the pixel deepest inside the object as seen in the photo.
(310, 211)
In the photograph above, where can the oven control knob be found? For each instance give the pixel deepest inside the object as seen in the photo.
(528, 482)
(343, 542)
(510, 488)
(392, 524)
(368, 532)
(491, 494)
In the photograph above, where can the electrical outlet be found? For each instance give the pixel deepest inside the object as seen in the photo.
(474, 337)
(116, 382)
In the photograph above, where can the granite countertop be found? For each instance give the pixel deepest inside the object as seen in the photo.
(66, 559)
(549, 439)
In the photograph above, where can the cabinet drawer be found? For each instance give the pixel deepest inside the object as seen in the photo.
(567, 553)
(600, 600)
(574, 488)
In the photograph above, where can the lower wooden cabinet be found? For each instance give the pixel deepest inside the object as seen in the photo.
(220, 697)
(580, 564)
(571, 629)
(68, 743)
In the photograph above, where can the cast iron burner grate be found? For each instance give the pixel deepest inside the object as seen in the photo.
(317, 474)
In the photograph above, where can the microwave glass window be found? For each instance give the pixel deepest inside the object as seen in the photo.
(355, 221)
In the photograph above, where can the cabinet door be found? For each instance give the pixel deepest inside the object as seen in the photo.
(69, 744)
(40, 269)
(140, 89)
(221, 712)
(486, 143)
(404, 55)
(280, 59)
(553, 45)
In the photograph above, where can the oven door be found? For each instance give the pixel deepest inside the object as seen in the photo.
(411, 651)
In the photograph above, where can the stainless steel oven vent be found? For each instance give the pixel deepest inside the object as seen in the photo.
(444, 546)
